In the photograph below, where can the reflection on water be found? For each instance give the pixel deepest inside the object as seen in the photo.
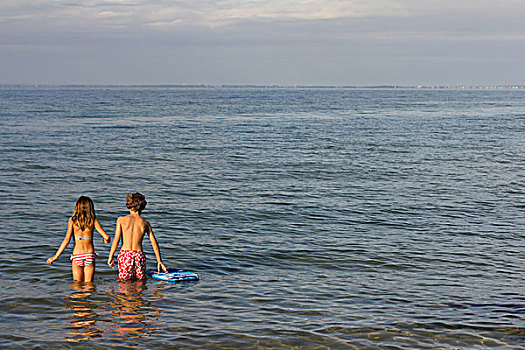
(120, 314)
(84, 319)
(129, 321)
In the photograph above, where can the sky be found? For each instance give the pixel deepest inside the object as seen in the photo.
(284, 42)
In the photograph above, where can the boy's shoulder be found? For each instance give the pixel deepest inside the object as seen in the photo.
(123, 218)
(129, 217)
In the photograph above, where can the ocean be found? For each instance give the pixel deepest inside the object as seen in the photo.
(318, 218)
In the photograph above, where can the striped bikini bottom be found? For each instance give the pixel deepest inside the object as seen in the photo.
(84, 259)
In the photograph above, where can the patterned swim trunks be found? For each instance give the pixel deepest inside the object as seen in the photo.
(131, 265)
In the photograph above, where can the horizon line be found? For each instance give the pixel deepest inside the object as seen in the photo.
(276, 86)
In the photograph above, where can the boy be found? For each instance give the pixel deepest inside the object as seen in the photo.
(132, 228)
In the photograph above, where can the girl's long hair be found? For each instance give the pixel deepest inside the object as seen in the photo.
(84, 214)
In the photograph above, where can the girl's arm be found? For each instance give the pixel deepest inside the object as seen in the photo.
(156, 249)
(118, 233)
(64, 244)
(103, 233)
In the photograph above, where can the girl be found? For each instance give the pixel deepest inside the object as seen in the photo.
(81, 226)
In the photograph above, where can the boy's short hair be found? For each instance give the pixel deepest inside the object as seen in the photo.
(136, 201)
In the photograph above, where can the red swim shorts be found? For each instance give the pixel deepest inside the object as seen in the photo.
(131, 265)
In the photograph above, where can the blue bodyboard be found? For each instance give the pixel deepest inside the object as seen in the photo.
(174, 275)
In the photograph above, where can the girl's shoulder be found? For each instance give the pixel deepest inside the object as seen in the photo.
(73, 221)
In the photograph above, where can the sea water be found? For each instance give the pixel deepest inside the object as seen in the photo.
(317, 218)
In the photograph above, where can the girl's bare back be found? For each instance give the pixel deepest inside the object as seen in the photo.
(83, 240)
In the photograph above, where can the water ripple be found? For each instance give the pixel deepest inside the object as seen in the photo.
(317, 218)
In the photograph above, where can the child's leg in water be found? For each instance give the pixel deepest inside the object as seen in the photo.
(78, 272)
(89, 272)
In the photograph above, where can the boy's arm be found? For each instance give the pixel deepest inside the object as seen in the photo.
(118, 233)
(156, 249)
(64, 244)
(103, 233)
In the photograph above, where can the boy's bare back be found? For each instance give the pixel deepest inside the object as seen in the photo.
(132, 227)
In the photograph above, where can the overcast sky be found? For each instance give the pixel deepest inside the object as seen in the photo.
(306, 42)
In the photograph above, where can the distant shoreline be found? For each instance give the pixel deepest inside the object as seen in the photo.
(254, 86)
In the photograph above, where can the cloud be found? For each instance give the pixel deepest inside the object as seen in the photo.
(112, 14)
(164, 24)
(260, 41)
(303, 10)
(314, 19)
(134, 14)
